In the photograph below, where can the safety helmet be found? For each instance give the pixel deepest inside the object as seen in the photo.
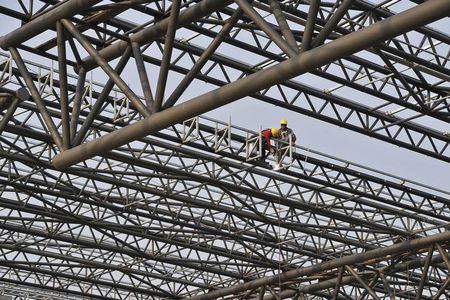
(274, 131)
(283, 121)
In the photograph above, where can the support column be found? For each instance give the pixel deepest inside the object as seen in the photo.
(63, 93)
(309, 27)
(167, 54)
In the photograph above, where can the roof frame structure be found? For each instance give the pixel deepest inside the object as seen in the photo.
(102, 196)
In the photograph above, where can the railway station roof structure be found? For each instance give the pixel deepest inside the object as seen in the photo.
(115, 183)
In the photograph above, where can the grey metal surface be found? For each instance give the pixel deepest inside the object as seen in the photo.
(142, 211)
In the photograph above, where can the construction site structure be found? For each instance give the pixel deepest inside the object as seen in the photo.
(115, 183)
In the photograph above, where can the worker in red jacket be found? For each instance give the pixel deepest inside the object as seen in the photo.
(268, 134)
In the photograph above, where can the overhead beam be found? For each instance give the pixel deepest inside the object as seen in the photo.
(307, 61)
(187, 16)
(328, 265)
(45, 21)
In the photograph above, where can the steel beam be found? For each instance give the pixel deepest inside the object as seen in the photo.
(64, 99)
(271, 33)
(45, 21)
(328, 265)
(100, 99)
(77, 101)
(167, 54)
(143, 77)
(107, 68)
(203, 8)
(349, 279)
(37, 98)
(203, 59)
(332, 22)
(283, 24)
(309, 26)
(309, 60)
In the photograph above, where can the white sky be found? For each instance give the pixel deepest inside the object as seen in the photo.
(327, 138)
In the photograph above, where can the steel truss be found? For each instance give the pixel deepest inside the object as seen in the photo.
(105, 194)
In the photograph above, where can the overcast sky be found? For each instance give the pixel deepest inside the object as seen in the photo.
(323, 137)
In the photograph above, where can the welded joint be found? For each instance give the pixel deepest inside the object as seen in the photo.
(7, 97)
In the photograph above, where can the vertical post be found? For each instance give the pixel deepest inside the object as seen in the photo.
(77, 100)
(338, 281)
(145, 84)
(37, 98)
(167, 53)
(101, 99)
(62, 65)
(424, 273)
(386, 286)
(309, 27)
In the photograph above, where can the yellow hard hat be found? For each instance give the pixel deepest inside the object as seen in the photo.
(283, 121)
(274, 131)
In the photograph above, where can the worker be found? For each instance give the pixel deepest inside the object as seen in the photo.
(285, 132)
(268, 134)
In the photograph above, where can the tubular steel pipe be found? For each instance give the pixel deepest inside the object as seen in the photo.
(283, 24)
(107, 68)
(338, 281)
(331, 24)
(200, 10)
(80, 135)
(309, 60)
(424, 273)
(37, 98)
(328, 265)
(309, 27)
(14, 100)
(77, 100)
(167, 53)
(44, 22)
(349, 279)
(64, 98)
(276, 38)
(143, 77)
(361, 282)
(201, 61)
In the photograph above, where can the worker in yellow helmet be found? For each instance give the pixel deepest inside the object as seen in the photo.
(267, 135)
(285, 132)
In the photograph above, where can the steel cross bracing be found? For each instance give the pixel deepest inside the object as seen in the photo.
(387, 85)
(260, 220)
(159, 218)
